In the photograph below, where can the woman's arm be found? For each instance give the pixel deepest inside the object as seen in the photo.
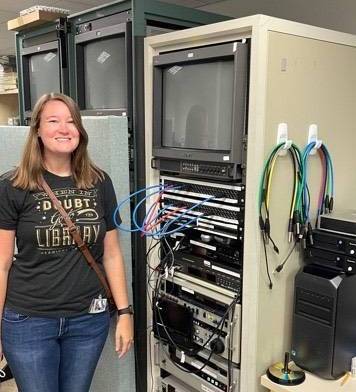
(7, 243)
(115, 272)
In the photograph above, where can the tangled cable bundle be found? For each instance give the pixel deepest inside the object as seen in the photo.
(299, 225)
(158, 220)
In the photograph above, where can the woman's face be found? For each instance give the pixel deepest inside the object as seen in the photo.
(57, 130)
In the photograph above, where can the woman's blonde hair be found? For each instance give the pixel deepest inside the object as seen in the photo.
(29, 173)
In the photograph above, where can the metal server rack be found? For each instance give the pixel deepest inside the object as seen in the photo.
(209, 278)
(140, 15)
(197, 294)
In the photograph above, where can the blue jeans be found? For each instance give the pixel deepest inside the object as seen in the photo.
(53, 354)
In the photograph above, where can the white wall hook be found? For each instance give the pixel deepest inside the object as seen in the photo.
(282, 137)
(313, 137)
(287, 144)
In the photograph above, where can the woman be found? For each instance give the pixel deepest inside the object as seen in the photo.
(54, 317)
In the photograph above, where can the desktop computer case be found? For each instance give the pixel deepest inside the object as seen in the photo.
(324, 321)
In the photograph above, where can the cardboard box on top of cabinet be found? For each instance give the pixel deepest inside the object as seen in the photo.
(32, 19)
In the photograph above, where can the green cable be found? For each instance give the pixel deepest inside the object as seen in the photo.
(263, 177)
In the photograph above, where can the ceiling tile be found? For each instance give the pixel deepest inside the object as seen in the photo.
(17, 6)
(93, 3)
(10, 9)
(186, 3)
(206, 2)
(74, 6)
(192, 3)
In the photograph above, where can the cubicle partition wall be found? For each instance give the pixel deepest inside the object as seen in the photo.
(108, 149)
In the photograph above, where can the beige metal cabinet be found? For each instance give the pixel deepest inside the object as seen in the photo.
(299, 75)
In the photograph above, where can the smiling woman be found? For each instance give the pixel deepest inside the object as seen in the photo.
(58, 133)
(57, 142)
(48, 287)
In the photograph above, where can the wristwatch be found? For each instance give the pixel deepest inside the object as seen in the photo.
(127, 310)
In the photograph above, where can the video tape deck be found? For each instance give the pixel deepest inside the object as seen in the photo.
(332, 250)
(213, 377)
(215, 316)
(330, 259)
(341, 222)
(209, 257)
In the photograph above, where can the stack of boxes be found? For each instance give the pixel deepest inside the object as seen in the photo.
(8, 75)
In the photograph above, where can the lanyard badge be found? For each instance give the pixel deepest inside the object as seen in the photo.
(98, 305)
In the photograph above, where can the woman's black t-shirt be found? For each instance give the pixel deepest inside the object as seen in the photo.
(49, 276)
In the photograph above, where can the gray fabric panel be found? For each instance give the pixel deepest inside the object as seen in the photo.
(12, 140)
(108, 148)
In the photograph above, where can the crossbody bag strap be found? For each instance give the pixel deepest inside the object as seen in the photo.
(73, 230)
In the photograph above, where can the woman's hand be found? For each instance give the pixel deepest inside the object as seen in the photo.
(124, 334)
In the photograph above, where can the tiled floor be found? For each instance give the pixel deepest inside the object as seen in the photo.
(7, 386)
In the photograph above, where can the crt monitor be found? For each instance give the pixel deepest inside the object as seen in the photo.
(105, 74)
(41, 71)
(43, 74)
(199, 118)
(194, 117)
(102, 51)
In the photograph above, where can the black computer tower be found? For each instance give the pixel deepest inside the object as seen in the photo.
(324, 321)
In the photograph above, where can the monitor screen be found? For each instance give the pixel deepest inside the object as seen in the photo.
(105, 74)
(198, 105)
(176, 318)
(43, 74)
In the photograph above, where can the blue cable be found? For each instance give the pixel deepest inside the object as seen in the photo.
(158, 215)
(163, 232)
(117, 209)
(187, 211)
(305, 155)
(329, 176)
(138, 205)
(134, 213)
(147, 233)
(330, 167)
(149, 212)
